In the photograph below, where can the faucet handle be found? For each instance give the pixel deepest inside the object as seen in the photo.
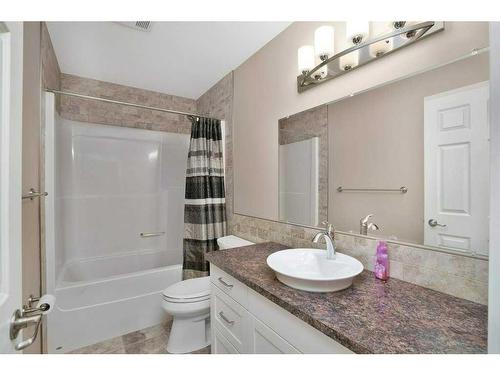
(365, 219)
(329, 228)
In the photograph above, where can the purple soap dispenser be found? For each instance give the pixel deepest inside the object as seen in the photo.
(381, 268)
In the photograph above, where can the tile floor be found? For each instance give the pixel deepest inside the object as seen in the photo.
(152, 340)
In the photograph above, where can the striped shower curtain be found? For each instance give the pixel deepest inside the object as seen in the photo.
(205, 204)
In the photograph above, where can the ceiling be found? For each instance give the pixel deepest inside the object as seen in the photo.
(178, 58)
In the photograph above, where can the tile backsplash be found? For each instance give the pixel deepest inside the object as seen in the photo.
(460, 276)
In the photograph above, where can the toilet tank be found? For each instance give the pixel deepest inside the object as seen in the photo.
(228, 242)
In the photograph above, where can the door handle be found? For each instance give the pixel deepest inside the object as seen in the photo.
(32, 194)
(19, 322)
(221, 280)
(433, 223)
(151, 234)
(224, 318)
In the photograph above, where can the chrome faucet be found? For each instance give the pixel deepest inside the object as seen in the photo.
(329, 235)
(364, 225)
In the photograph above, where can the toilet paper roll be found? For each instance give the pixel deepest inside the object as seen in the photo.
(48, 299)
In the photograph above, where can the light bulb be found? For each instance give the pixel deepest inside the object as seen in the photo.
(380, 28)
(384, 46)
(357, 31)
(305, 57)
(381, 48)
(324, 42)
(349, 61)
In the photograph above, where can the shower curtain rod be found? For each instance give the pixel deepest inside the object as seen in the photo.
(68, 93)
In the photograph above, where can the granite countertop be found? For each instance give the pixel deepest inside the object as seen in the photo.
(372, 316)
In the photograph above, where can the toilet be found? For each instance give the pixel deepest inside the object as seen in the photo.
(188, 302)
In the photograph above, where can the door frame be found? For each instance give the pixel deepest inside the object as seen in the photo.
(11, 34)
(494, 255)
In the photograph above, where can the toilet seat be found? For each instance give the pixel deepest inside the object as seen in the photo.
(186, 300)
(188, 291)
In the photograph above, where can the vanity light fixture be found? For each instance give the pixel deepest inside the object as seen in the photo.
(363, 46)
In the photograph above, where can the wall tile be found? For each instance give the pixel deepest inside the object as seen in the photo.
(86, 110)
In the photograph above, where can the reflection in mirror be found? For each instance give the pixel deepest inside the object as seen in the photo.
(408, 161)
(303, 167)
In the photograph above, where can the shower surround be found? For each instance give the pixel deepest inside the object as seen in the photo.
(98, 265)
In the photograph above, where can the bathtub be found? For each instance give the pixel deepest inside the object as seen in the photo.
(105, 297)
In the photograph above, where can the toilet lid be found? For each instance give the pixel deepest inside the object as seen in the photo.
(189, 289)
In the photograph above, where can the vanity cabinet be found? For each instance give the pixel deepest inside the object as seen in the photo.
(243, 321)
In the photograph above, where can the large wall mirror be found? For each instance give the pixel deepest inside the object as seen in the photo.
(407, 161)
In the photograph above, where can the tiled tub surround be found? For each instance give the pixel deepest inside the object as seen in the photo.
(97, 112)
(371, 316)
(460, 276)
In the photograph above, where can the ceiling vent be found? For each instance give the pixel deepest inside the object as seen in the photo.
(138, 25)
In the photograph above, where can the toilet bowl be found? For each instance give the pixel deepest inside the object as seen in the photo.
(188, 302)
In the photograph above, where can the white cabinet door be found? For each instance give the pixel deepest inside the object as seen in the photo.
(220, 345)
(457, 169)
(266, 341)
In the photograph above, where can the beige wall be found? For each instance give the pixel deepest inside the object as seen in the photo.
(265, 91)
(31, 167)
(376, 139)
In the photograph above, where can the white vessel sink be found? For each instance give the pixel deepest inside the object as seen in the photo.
(308, 269)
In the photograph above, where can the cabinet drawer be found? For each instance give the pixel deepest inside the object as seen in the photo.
(221, 345)
(229, 285)
(266, 341)
(230, 319)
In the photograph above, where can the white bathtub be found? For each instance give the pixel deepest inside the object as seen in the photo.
(105, 297)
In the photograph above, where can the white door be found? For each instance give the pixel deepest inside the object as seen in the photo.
(457, 169)
(11, 45)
